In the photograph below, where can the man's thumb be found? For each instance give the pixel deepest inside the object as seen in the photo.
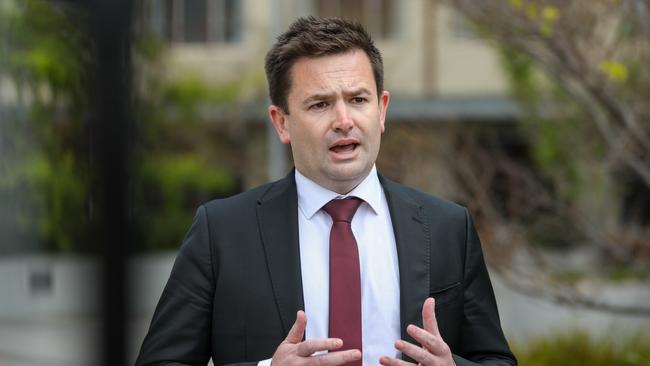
(297, 331)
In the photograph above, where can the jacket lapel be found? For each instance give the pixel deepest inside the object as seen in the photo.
(412, 238)
(277, 215)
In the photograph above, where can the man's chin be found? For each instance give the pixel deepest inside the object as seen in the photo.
(349, 175)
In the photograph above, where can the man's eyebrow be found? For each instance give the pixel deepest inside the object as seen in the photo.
(357, 91)
(326, 96)
(315, 97)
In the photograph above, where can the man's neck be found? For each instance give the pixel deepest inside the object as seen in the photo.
(340, 187)
(312, 196)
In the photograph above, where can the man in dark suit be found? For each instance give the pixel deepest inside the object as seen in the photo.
(386, 274)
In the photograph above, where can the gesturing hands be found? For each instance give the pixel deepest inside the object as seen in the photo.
(433, 352)
(294, 351)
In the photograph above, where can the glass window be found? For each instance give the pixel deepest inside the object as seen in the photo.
(378, 16)
(193, 21)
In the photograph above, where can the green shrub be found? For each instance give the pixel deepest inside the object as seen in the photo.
(170, 187)
(46, 167)
(44, 172)
(578, 348)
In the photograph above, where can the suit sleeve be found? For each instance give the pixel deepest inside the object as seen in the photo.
(180, 330)
(483, 340)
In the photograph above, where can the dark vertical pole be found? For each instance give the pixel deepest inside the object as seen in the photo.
(110, 144)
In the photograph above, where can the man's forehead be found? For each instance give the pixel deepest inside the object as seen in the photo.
(342, 72)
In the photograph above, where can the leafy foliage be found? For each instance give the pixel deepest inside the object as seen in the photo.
(578, 348)
(46, 166)
(191, 92)
(45, 171)
(563, 147)
(169, 190)
(580, 71)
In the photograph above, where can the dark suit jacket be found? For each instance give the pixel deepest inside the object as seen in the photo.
(236, 284)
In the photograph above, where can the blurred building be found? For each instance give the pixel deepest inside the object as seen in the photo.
(439, 74)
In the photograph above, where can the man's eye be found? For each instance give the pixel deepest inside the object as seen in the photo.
(358, 100)
(319, 105)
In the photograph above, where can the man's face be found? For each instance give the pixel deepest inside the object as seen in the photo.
(335, 119)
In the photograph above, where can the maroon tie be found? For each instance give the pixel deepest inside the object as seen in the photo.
(345, 276)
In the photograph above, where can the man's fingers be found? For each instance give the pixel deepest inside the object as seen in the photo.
(430, 342)
(297, 331)
(432, 349)
(429, 316)
(336, 358)
(293, 347)
(417, 353)
(391, 361)
(311, 346)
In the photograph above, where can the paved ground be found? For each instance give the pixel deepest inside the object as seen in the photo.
(62, 341)
(48, 341)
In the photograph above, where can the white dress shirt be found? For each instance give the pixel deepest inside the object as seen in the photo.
(380, 293)
(373, 230)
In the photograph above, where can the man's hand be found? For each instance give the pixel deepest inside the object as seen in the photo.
(433, 352)
(295, 352)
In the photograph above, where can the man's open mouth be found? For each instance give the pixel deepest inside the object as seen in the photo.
(344, 148)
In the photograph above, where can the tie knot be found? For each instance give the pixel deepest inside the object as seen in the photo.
(342, 209)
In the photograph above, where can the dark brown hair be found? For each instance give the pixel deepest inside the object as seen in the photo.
(316, 37)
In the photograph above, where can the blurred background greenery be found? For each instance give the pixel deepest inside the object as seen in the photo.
(580, 348)
(45, 165)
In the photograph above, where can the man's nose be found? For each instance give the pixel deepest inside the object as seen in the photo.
(342, 120)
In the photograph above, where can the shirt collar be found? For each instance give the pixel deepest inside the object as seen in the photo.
(312, 197)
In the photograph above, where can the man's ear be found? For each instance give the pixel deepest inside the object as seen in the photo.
(280, 122)
(384, 99)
